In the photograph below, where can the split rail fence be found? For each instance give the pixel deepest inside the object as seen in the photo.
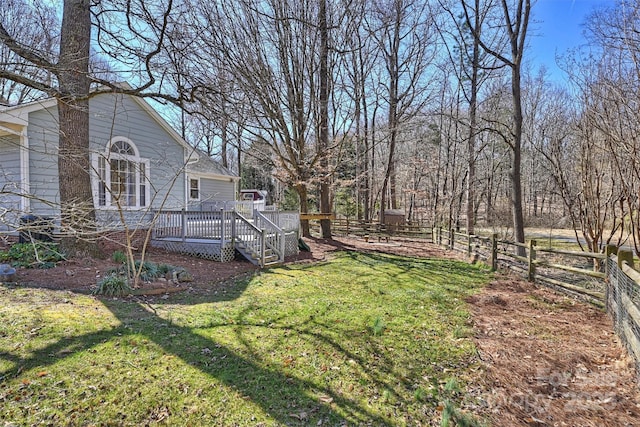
(606, 279)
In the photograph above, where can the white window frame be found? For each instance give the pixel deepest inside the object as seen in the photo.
(194, 178)
(101, 163)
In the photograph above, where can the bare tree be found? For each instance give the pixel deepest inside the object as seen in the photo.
(131, 33)
(514, 21)
(613, 89)
(472, 66)
(403, 34)
(37, 31)
(280, 59)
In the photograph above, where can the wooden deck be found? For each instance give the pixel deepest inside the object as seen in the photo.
(265, 239)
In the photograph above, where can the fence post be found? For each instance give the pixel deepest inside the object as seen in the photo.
(608, 251)
(625, 256)
(531, 271)
(283, 244)
(494, 252)
(468, 244)
(452, 238)
(184, 225)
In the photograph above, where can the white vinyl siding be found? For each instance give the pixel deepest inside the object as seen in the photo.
(10, 188)
(120, 116)
(217, 189)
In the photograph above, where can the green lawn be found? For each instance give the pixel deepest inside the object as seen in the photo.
(363, 339)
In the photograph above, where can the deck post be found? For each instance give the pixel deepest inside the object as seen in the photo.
(222, 225)
(263, 234)
(184, 224)
(232, 214)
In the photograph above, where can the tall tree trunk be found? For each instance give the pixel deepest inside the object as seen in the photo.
(516, 21)
(224, 144)
(367, 148)
(471, 143)
(76, 200)
(323, 143)
(517, 48)
(301, 189)
(516, 165)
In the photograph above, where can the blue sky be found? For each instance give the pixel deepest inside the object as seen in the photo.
(557, 28)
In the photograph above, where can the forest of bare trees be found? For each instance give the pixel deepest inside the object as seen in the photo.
(432, 107)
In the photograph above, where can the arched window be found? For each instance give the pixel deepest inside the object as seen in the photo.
(123, 147)
(122, 176)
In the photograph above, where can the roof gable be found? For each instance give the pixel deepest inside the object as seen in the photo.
(18, 115)
(205, 165)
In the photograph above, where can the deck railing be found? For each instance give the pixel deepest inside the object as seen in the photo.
(249, 236)
(273, 235)
(193, 225)
(264, 238)
(244, 208)
(287, 221)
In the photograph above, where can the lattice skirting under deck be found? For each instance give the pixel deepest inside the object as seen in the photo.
(291, 244)
(208, 250)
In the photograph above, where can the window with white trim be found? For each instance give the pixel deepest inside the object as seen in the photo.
(194, 188)
(122, 176)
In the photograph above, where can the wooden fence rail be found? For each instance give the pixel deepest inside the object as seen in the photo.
(618, 285)
(528, 258)
(617, 288)
(346, 226)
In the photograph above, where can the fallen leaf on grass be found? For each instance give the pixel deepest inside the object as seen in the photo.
(302, 416)
(325, 399)
(287, 361)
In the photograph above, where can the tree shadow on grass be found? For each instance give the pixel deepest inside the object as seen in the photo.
(288, 394)
(287, 399)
